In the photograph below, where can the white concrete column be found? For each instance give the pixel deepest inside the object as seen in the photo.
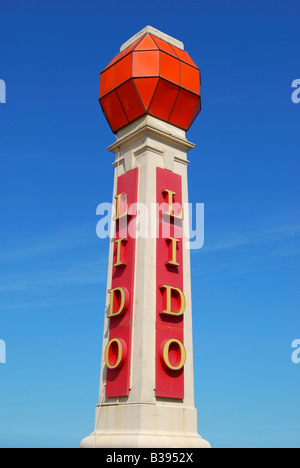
(141, 419)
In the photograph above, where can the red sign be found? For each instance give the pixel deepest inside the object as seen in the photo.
(170, 350)
(118, 350)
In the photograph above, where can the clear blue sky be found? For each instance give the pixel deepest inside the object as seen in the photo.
(55, 170)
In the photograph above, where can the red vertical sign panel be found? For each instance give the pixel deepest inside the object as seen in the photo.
(170, 351)
(118, 351)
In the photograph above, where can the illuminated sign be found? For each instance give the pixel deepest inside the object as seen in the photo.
(118, 350)
(171, 303)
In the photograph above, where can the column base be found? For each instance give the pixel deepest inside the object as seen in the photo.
(140, 440)
(145, 426)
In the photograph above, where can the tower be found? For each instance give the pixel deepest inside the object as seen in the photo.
(150, 96)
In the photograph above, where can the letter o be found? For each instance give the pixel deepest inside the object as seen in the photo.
(180, 356)
(115, 353)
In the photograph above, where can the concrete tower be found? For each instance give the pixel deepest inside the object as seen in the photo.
(150, 95)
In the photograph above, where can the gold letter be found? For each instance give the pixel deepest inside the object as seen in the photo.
(171, 213)
(119, 262)
(169, 300)
(174, 251)
(119, 357)
(123, 302)
(165, 355)
(118, 198)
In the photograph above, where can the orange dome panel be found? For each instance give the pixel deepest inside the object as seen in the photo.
(145, 63)
(122, 54)
(164, 46)
(163, 100)
(153, 77)
(190, 78)
(196, 112)
(146, 88)
(107, 82)
(130, 101)
(123, 69)
(169, 68)
(184, 56)
(114, 112)
(184, 109)
(147, 43)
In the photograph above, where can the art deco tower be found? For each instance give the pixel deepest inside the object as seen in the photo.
(150, 96)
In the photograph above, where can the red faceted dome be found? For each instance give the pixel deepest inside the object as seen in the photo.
(153, 77)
